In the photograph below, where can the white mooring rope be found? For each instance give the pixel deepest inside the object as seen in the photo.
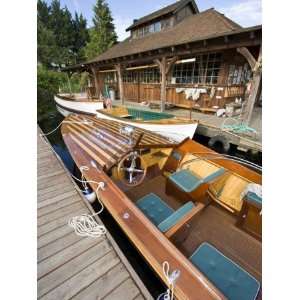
(67, 122)
(85, 225)
(171, 279)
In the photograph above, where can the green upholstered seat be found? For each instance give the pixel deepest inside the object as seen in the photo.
(159, 213)
(154, 208)
(175, 216)
(188, 181)
(232, 280)
(254, 199)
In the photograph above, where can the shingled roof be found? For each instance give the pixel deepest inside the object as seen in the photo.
(207, 24)
(162, 12)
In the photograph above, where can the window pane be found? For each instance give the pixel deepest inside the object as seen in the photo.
(157, 26)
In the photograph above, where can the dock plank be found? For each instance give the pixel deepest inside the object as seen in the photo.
(130, 288)
(72, 266)
(57, 205)
(104, 285)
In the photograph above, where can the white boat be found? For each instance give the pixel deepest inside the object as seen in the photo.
(165, 124)
(78, 103)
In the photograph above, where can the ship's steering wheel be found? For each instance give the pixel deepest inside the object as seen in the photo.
(132, 169)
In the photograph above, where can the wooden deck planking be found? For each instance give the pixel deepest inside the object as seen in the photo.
(70, 266)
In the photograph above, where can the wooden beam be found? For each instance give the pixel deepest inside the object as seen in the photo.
(97, 87)
(171, 63)
(164, 68)
(255, 83)
(162, 65)
(119, 69)
(247, 54)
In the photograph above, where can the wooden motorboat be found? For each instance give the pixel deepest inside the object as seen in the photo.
(177, 202)
(162, 123)
(77, 103)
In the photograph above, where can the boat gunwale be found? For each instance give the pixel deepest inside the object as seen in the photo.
(68, 98)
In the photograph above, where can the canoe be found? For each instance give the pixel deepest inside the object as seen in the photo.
(77, 103)
(178, 202)
(162, 123)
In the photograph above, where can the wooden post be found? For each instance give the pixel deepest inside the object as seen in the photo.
(164, 68)
(255, 82)
(97, 87)
(119, 69)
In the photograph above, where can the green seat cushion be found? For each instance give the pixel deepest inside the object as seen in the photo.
(175, 216)
(232, 280)
(185, 180)
(154, 208)
(254, 199)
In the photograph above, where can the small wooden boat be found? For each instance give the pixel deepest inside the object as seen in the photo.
(78, 103)
(162, 123)
(177, 202)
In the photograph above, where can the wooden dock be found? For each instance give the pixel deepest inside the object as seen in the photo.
(70, 266)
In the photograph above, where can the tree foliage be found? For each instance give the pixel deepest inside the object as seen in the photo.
(61, 38)
(102, 35)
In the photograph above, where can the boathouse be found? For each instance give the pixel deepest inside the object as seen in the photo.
(183, 57)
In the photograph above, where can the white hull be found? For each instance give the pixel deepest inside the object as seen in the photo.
(65, 107)
(177, 132)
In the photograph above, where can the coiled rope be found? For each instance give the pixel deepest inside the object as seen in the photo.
(171, 279)
(85, 224)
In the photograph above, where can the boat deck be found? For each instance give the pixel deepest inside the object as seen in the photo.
(214, 225)
(69, 266)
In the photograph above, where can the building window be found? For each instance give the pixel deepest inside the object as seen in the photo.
(110, 77)
(204, 70)
(150, 75)
(165, 23)
(157, 26)
(130, 76)
(239, 74)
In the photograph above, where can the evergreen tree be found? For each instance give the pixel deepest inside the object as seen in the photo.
(47, 50)
(102, 35)
(81, 36)
(43, 12)
(61, 24)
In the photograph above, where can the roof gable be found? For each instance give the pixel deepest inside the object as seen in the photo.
(209, 23)
(170, 9)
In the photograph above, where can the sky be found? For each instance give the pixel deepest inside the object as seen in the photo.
(245, 12)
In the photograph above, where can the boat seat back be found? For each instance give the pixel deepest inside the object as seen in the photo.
(188, 181)
(170, 221)
(202, 168)
(231, 279)
(228, 191)
(119, 111)
(254, 199)
(160, 214)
